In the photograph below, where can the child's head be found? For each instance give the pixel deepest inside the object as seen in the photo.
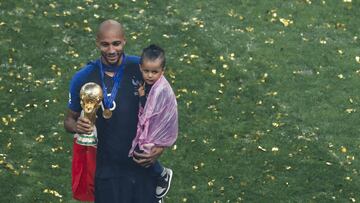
(152, 63)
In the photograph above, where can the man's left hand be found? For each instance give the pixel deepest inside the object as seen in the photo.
(146, 160)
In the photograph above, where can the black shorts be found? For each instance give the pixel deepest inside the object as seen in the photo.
(132, 188)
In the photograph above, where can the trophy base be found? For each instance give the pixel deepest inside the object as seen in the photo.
(87, 139)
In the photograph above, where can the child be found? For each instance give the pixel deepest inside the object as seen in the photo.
(158, 120)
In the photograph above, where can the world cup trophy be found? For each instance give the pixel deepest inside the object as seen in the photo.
(91, 96)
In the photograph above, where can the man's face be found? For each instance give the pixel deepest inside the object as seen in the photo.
(111, 45)
(151, 71)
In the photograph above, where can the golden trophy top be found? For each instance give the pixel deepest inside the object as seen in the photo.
(91, 96)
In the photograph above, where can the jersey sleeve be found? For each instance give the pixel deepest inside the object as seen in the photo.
(74, 94)
(133, 59)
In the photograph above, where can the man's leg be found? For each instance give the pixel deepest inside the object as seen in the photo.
(114, 190)
(145, 189)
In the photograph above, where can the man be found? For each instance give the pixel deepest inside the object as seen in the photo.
(118, 178)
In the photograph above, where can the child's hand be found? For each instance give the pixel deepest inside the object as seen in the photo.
(141, 90)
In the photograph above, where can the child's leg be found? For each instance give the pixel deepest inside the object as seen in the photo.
(158, 169)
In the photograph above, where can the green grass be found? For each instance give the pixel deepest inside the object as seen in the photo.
(268, 113)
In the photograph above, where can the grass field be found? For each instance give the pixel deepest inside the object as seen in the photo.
(267, 91)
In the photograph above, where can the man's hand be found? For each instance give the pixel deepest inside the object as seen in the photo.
(84, 126)
(73, 123)
(146, 160)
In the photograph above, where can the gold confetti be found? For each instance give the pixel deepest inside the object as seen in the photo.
(183, 90)
(211, 183)
(286, 22)
(9, 166)
(249, 29)
(350, 110)
(269, 41)
(274, 93)
(222, 189)
(261, 148)
(276, 125)
(55, 166)
(87, 29)
(193, 56)
(53, 192)
(52, 5)
(271, 177)
(39, 138)
(357, 58)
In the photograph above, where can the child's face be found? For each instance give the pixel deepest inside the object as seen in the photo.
(151, 70)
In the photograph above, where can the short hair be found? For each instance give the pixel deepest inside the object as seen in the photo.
(152, 53)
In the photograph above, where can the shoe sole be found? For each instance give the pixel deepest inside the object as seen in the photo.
(167, 190)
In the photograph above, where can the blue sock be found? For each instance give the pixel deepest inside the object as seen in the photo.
(158, 169)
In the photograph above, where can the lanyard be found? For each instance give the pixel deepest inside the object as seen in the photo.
(108, 100)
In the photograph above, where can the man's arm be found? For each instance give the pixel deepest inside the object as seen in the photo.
(146, 160)
(73, 123)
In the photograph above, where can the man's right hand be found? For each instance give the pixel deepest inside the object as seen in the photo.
(73, 123)
(84, 126)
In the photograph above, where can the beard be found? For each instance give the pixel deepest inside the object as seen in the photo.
(112, 58)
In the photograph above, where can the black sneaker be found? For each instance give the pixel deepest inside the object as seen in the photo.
(161, 200)
(163, 184)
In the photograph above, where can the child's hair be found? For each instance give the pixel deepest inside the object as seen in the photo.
(152, 53)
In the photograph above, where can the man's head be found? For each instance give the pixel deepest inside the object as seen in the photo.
(152, 63)
(110, 39)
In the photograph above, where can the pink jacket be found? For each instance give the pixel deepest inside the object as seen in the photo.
(158, 120)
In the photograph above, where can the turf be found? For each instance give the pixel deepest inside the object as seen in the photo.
(267, 94)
